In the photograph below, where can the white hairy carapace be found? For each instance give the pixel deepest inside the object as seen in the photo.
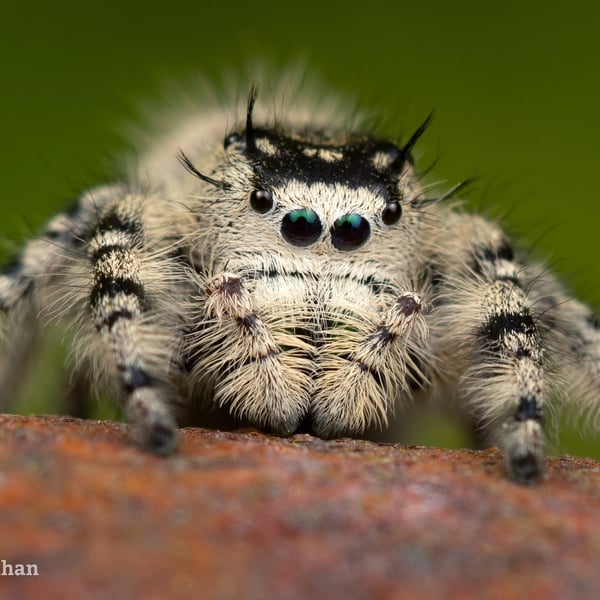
(288, 266)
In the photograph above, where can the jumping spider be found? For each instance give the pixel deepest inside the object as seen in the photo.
(294, 271)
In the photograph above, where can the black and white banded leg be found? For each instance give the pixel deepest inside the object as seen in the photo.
(572, 334)
(488, 323)
(136, 344)
(506, 380)
(33, 285)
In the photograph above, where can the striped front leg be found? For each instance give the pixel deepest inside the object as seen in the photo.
(504, 381)
(487, 331)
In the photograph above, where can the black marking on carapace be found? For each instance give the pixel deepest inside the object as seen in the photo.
(498, 326)
(108, 286)
(300, 160)
(528, 409)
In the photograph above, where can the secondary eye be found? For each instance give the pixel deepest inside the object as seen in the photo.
(261, 201)
(350, 231)
(391, 213)
(232, 138)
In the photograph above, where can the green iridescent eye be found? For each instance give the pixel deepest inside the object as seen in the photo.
(350, 231)
(301, 227)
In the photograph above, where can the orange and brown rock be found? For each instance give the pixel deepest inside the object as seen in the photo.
(244, 515)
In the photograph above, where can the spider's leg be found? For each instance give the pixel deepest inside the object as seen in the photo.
(28, 281)
(487, 327)
(135, 331)
(572, 333)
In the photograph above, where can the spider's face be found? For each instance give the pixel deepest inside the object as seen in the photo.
(312, 195)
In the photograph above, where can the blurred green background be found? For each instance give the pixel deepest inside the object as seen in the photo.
(515, 86)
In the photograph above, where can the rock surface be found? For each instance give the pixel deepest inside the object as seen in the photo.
(245, 515)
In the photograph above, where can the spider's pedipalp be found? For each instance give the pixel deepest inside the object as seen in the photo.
(260, 372)
(361, 381)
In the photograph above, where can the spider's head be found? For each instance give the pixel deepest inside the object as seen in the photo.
(323, 190)
(327, 193)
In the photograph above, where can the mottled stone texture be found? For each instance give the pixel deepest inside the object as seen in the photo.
(244, 515)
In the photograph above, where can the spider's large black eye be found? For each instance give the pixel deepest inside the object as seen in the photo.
(391, 213)
(349, 232)
(301, 227)
(261, 201)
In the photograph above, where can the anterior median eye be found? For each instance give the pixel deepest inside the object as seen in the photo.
(350, 231)
(301, 227)
(261, 201)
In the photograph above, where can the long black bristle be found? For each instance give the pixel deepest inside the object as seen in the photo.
(187, 164)
(451, 193)
(405, 154)
(250, 137)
